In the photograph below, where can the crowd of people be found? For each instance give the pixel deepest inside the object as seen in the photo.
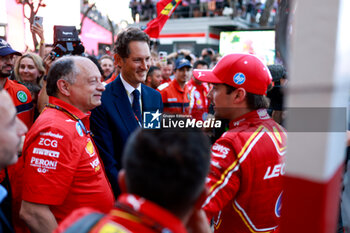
(144, 10)
(86, 164)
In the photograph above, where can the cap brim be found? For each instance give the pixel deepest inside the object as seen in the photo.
(185, 65)
(206, 76)
(8, 51)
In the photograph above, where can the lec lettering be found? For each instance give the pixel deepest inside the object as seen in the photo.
(48, 142)
(277, 170)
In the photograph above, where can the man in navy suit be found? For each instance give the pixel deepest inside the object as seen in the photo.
(124, 101)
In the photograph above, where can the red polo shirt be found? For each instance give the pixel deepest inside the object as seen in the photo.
(62, 165)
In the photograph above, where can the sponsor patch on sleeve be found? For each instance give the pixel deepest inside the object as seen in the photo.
(79, 129)
(89, 148)
(22, 96)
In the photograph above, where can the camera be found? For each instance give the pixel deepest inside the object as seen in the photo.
(66, 41)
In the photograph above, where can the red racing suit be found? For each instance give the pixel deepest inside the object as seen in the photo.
(198, 100)
(175, 99)
(132, 214)
(62, 166)
(245, 181)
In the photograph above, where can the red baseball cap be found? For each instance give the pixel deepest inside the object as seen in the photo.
(238, 70)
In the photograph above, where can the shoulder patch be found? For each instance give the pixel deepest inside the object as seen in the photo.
(163, 86)
(22, 96)
(79, 129)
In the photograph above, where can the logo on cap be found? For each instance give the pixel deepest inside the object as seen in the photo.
(239, 78)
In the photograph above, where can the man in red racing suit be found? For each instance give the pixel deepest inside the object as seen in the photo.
(245, 182)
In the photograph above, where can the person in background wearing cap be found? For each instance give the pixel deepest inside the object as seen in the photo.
(20, 94)
(245, 181)
(175, 94)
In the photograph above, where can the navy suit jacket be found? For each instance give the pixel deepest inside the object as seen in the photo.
(113, 122)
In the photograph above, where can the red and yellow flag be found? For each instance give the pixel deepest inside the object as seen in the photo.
(164, 10)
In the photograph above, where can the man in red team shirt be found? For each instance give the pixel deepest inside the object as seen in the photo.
(198, 94)
(175, 94)
(245, 181)
(62, 170)
(19, 93)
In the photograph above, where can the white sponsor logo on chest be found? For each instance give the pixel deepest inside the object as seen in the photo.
(48, 142)
(275, 171)
(43, 163)
(50, 153)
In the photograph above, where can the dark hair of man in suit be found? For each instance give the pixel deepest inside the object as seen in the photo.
(63, 68)
(167, 167)
(125, 37)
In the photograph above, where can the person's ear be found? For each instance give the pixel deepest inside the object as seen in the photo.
(121, 181)
(239, 95)
(117, 60)
(63, 87)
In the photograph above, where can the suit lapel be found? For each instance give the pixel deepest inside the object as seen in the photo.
(122, 105)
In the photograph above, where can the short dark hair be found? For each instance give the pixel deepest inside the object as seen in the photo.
(167, 166)
(254, 101)
(95, 61)
(277, 72)
(63, 68)
(200, 62)
(151, 70)
(125, 37)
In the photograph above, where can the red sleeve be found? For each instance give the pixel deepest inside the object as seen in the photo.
(164, 94)
(223, 180)
(24, 106)
(50, 163)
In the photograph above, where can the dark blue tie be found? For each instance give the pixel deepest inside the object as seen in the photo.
(136, 105)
